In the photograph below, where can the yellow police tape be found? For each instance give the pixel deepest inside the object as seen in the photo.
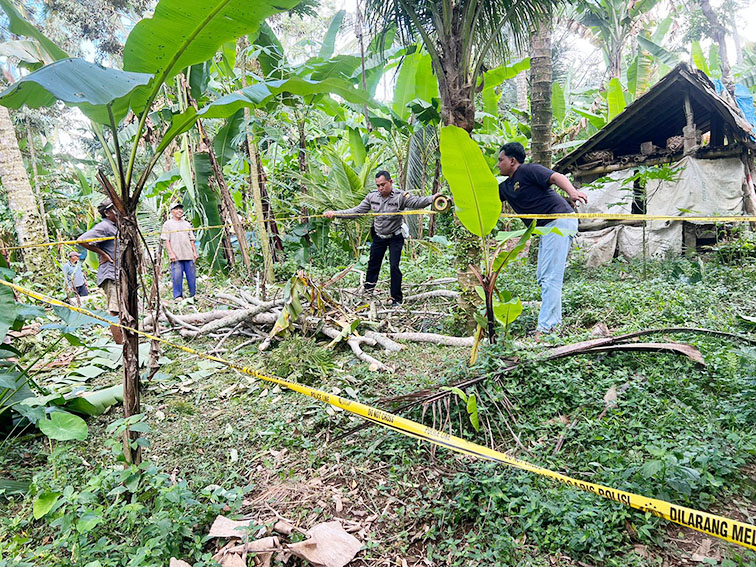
(718, 526)
(631, 217)
(211, 227)
(443, 204)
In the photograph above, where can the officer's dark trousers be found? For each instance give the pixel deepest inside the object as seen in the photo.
(377, 251)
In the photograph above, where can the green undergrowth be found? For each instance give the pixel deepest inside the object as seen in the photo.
(676, 431)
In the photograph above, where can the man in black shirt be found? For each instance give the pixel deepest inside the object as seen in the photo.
(528, 191)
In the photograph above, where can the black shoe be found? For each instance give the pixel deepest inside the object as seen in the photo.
(396, 304)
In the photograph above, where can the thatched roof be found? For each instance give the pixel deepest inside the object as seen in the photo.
(659, 114)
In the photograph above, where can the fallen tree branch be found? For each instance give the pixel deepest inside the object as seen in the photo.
(430, 294)
(686, 350)
(427, 395)
(384, 341)
(373, 363)
(239, 316)
(240, 301)
(433, 338)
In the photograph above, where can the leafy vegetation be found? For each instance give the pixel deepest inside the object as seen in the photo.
(259, 116)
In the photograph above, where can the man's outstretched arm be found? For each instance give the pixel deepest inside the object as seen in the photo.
(564, 184)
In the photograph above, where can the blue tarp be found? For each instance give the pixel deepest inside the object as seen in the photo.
(743, 98)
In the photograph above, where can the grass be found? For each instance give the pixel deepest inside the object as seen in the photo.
(677, 432)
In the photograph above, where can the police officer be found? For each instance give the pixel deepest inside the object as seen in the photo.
(385, 230)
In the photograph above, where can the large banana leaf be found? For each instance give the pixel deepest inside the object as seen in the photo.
(415, 81)
(257, 95)
(699, 59)
(20, 26)
(26, 51)
(472, 184)
(210, 239)
(496, 76)
(615, 98)
(357, 147)
(665, 56)
(491, 101)
(715, 64)
(329, 41)
(639, 74)
(662, 29)
(7, 311)
(97, 402)
(77, 82)
(223, 144)
(596, 120)
(182, 33)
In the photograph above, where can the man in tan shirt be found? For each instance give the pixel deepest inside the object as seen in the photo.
(179, 241)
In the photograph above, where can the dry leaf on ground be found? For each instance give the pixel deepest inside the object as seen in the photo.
(178, 563)
(233, 560)
(329, 545)
(705, 552)
(283, 528)
(261, 557)
(600, 330)
(223, 527)
(610, 398)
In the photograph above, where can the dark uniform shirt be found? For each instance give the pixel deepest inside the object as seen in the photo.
(387, 226)
(529, 192)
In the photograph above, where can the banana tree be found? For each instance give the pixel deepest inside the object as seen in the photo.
(181, 33)
(478, 206)
(613, 22)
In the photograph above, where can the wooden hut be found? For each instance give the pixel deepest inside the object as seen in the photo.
(710, 149)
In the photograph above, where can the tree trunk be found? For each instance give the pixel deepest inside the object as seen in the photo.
(736, 39)
(540, 95)
(436, 189)
(718, 33)
(302, 159)
(358, 31)
(521, 83)
(458, 109)
(254, 180)
(267, 210)
(21, 200)
(232, 217)
(128, 262)
(228, 249)
(35, 178)
(228, 206)
(455, 86)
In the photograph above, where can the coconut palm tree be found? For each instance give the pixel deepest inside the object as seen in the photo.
(540, 92)
(21, 199)
(459, 35)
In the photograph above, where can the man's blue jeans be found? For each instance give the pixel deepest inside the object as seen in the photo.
(178, 269)
(552, 257)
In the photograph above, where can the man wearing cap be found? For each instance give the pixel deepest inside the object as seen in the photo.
(75, 280)
(106, 252)
(179, 241)
(386, 230)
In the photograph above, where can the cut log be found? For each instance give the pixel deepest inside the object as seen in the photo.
(433, 338)
(384, 341)
(238, 316)
(431, 294)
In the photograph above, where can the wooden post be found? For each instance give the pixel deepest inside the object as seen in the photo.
(689, 130)
(717, 131)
